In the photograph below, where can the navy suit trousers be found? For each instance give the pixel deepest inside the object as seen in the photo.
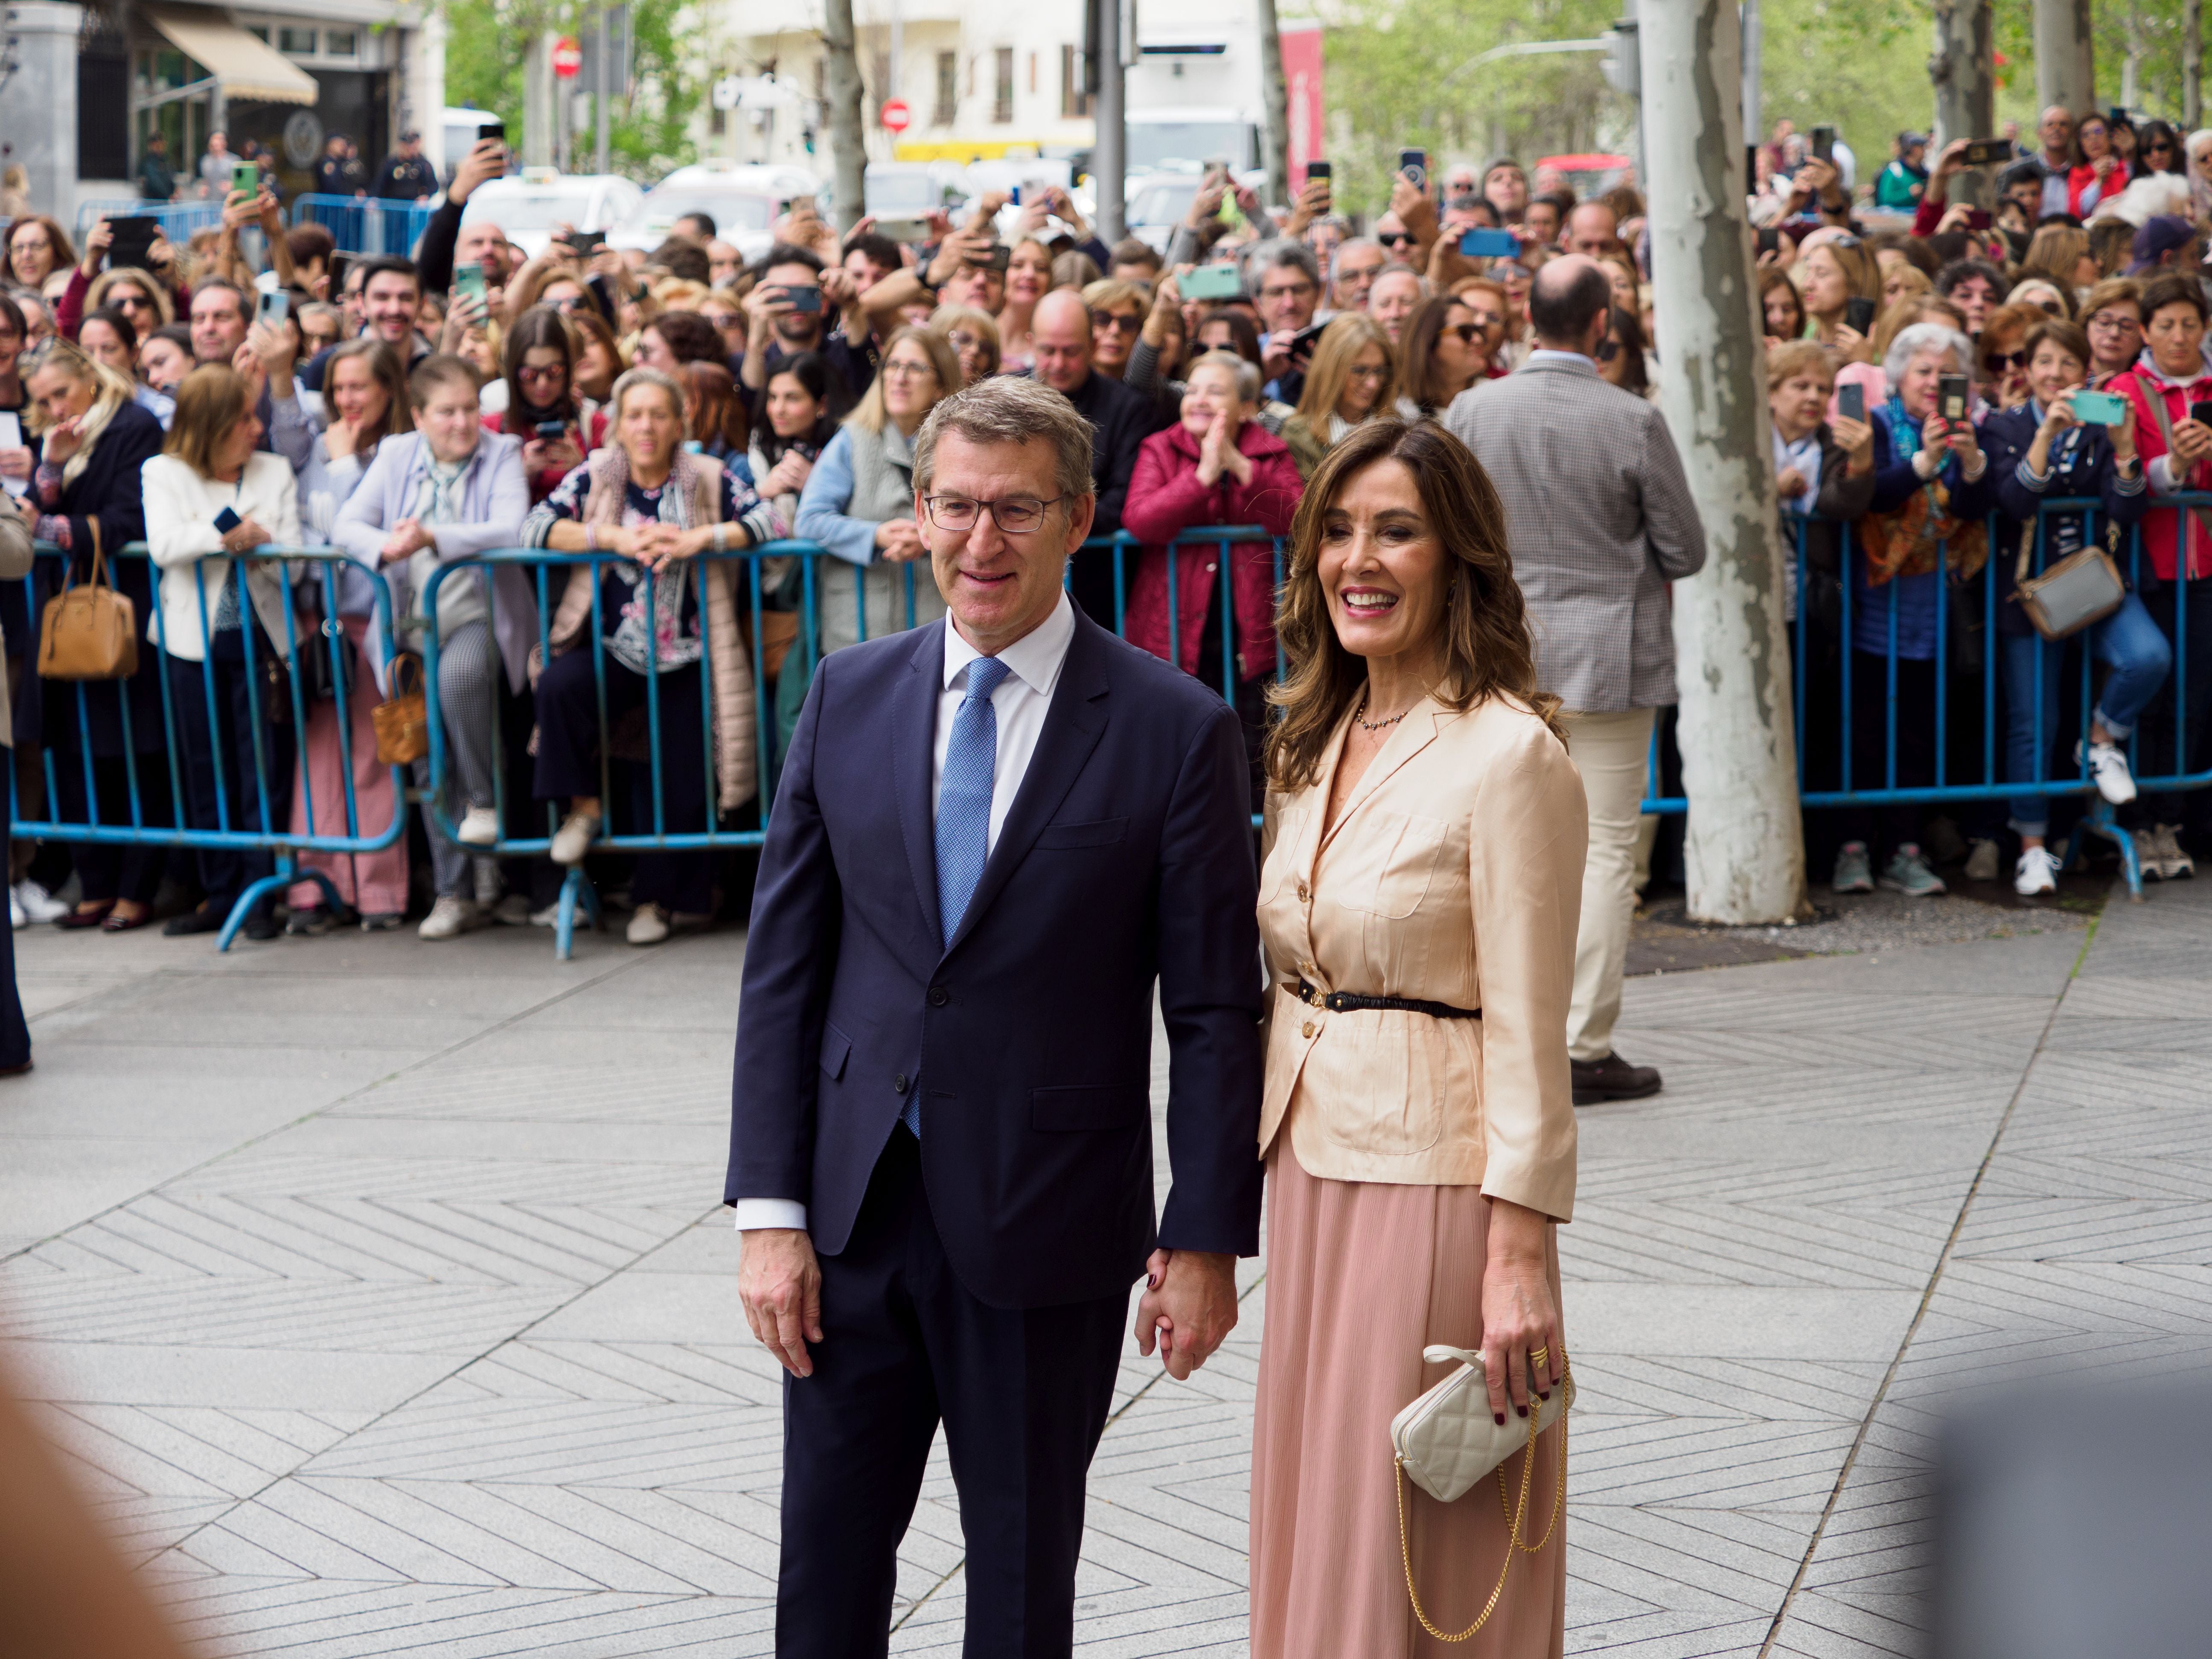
(1023, 1394)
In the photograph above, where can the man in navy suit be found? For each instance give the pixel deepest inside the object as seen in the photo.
(994, 837)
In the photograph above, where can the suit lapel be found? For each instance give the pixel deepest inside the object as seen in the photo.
(1073, 725)
(1412, 735)
(914, 743)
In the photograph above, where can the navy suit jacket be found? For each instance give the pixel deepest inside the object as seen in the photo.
(1125, 859)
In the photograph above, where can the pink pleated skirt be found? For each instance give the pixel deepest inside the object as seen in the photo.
(1361, 1275)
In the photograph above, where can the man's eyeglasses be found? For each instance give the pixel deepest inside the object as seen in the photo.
(1394, 238)
(1017, 515)
(1287, 290)
(1104, 321)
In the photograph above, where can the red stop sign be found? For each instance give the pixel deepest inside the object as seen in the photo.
(568, 57)
(896, 116)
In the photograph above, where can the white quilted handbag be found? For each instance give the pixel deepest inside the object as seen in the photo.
(1448, 1439)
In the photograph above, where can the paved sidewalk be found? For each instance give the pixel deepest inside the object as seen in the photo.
(379, 1291)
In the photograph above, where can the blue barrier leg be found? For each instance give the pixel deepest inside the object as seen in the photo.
(284, 877)
(574, 891)
(2098, 821)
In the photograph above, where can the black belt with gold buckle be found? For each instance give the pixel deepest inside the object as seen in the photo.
(1344, 1002)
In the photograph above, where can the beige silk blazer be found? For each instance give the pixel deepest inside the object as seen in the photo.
(1454, 874)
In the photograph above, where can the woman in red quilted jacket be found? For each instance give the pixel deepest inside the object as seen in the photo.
(1218, 466)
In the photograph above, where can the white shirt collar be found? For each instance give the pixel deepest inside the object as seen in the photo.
(1036, 659)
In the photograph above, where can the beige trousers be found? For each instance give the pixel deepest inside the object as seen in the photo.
(1612, 752)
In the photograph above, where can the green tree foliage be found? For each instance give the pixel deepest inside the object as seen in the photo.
(1394, 79)
(484, 67)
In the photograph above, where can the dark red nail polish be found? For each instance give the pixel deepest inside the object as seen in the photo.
(1543, 1396)
(1522, 1411)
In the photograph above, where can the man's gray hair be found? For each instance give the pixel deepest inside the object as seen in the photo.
(1361, 244)
(1282, 252)
(1924, 337)
(1009, 409)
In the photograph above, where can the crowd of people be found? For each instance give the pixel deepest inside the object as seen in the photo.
(2063, 294)
(691, 400)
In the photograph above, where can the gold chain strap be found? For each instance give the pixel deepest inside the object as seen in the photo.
(1513, 1519)
(1560, 1492)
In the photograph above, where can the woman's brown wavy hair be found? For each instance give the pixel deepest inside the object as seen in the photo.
(1488, 649)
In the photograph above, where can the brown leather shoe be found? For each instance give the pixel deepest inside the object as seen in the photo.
(1598, 1081)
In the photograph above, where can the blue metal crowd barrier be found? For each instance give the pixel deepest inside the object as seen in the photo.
(364, 224)
(178, 220)
(264, 822)
(1984, 782)
(576, 891)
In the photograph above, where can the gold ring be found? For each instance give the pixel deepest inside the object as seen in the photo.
(1538, 1356)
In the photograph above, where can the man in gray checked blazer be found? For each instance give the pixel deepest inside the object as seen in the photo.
(1601, 521)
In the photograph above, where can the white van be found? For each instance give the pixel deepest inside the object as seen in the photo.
(744, 202)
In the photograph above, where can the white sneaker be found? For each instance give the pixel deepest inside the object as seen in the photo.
(649, 925)
(2108, 767)
(449, 918)
(550, 915)
(36, 903)
(2038, 872)
(479, 827)
(2146, 860)
(1982, 863)
(573, 839)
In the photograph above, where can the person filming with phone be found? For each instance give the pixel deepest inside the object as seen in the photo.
(2170, 393)
(2066, 441)
(786, 313)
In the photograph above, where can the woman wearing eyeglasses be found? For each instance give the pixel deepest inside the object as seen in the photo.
(37, 247)
(859, 500)
(2113, 319)
(974, 337)
(1349, 382)
(2097, 172)
(541, 362)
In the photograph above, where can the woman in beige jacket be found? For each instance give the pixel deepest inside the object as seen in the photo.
(1424, 844)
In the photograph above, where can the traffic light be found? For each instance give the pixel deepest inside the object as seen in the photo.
(1623, 65)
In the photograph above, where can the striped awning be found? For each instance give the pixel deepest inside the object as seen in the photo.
(247, 70)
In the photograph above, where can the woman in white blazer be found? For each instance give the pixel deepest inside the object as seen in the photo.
(209, 497)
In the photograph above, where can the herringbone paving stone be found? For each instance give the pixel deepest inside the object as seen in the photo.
(406, 1323)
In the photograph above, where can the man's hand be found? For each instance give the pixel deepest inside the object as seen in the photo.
(487, 159)
(1189, 1308)
(780, 1282)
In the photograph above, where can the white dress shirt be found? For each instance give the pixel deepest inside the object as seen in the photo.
(1034, 662)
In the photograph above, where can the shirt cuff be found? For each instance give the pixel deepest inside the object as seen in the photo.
(755, 1214)
(2161, 474)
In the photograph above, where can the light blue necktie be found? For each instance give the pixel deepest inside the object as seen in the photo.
(963, 813)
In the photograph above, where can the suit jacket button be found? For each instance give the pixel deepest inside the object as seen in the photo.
(1309, 1030)
(938, 996)
(899, 1084)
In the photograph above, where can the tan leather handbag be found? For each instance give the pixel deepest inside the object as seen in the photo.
(89, 631)
(403, 719)
(2081, 589)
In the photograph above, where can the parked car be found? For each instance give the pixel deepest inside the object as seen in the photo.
(528, 205)
(745, 201)
(1590, 175)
